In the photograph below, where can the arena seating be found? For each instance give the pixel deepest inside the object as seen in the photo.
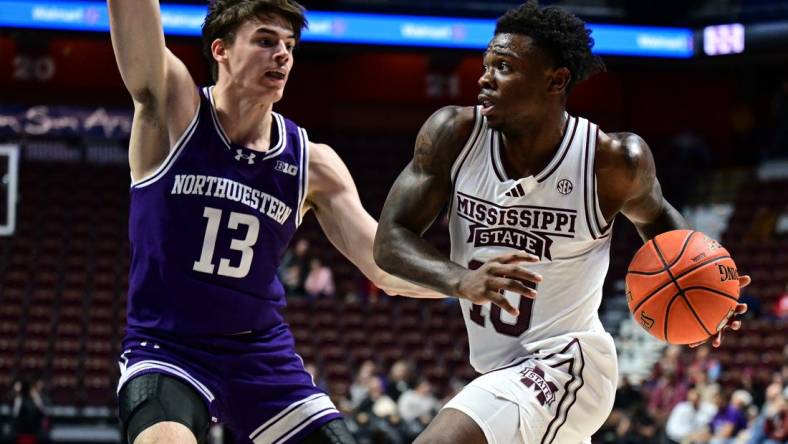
(63, 281)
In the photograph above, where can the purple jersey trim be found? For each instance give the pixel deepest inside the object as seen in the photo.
(153, 366)
(304, 166)
(278, 119)
(173, 154)
(293, 419)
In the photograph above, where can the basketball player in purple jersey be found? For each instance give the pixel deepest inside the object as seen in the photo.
(220, 183)
(525, 183)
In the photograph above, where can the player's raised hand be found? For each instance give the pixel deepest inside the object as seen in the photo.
(484, 282)
(733, 324)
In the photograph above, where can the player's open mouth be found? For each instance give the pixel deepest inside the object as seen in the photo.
(487, 105)
(275, 75)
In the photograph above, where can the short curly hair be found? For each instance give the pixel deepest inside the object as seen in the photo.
(225, 16)
(558, 32)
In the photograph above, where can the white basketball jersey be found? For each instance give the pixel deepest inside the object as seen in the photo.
(554, 215)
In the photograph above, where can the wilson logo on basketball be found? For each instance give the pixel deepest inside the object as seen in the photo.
(698, 257)
(646, 321)
(534, 378)
(727, 273)
(564, 186)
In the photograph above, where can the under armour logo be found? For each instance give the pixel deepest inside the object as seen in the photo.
(534, 377)
(517, 191)
(240, 155)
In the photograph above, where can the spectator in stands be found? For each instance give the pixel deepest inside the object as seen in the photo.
(669, 391)
(703, 362)
(400, 377)
(762, 225)
(28, 413)
(359, 389)
(689, 417)
(730, 419)
(781, 307)
(418, 403)
(770, 427)
(776, 427)
(671, 361)
(628, 397)
(320, 280)
(784, 368)
(639, 428)
(377, 402)
(294, 267)
(369, 429)
(699, 380)
(39, 387)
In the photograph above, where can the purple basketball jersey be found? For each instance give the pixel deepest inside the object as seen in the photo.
(253, 383)
(208, 229)
(207, 232)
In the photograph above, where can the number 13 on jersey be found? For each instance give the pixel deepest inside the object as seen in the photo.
(214, 216)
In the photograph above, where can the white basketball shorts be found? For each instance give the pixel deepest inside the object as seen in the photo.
(561, 394)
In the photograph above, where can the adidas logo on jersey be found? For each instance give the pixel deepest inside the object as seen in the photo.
(517, 191)
(249, 157)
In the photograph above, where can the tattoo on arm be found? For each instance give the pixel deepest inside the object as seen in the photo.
(415, 200)
(648, 209)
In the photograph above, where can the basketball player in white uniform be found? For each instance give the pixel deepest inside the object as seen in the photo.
(527, 183)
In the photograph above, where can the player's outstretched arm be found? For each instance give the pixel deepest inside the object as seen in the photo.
(627, 175)
(334, 198)
(413, 203)
(164, 94)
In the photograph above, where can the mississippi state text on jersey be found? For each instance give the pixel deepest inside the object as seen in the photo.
(553, 214)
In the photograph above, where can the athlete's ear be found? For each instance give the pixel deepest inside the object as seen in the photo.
(219, 51)
(558, 80)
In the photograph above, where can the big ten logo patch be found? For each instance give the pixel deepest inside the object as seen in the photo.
(286, 168)
(727, 273)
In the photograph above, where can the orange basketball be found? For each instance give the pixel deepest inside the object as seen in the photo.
(682, 286)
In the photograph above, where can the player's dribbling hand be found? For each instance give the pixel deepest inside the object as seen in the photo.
(484, 284)
(733, 325)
